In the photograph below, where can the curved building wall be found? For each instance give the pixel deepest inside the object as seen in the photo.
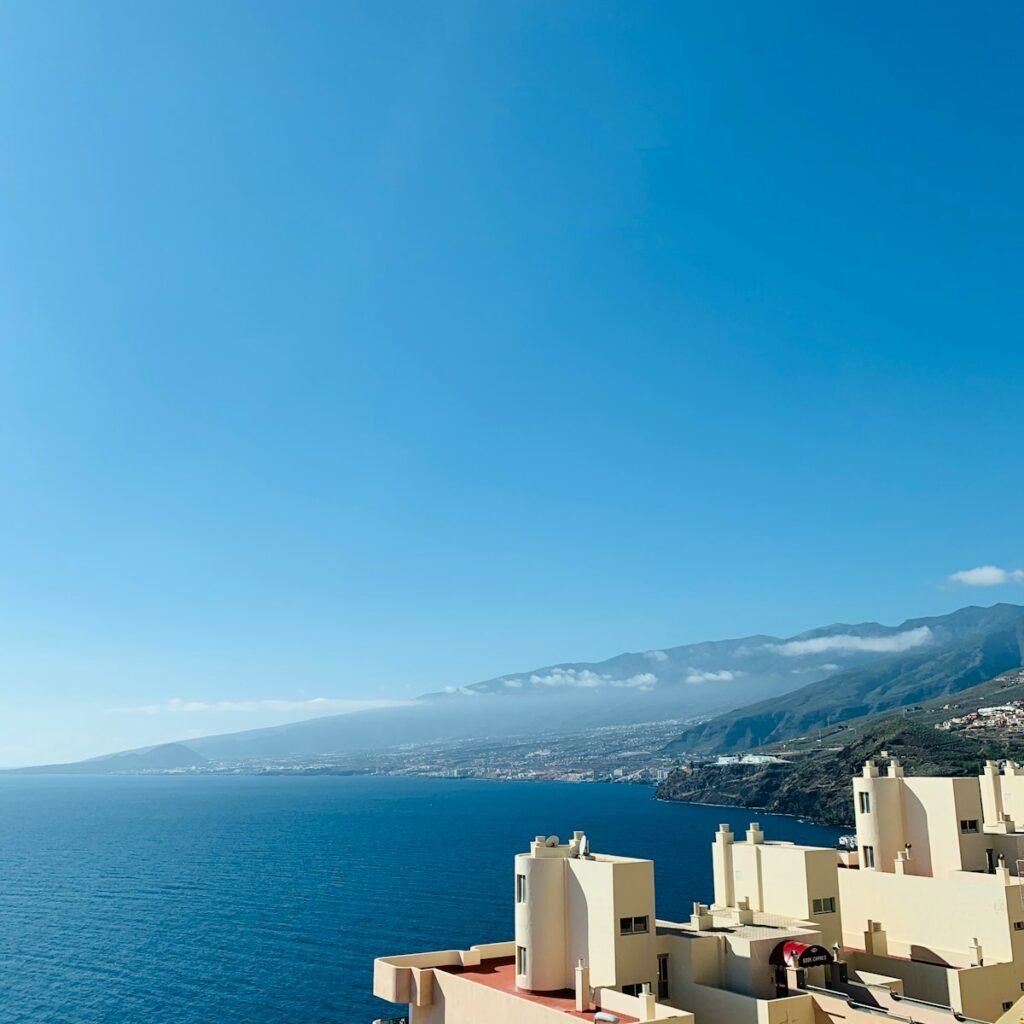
(540, 923)
(880, 828)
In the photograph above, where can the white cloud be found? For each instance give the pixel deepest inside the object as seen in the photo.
(643, 681)
(514, 684)
(587, 679)
(696, 676)
(315, 705)
(987, 576)
(895, 642)
(659, 656)
(829, 666)
(463, 691)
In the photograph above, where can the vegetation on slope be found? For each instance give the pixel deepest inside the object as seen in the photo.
(814, 780)
(988, 642)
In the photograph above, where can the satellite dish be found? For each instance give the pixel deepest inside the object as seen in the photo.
(584, 847)
(551, 841)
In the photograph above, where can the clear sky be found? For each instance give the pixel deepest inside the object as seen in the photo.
(349, 351)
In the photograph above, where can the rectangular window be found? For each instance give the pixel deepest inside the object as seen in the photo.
(869, 856)
(969, 825)
(1018, 926)
(633, 925)
(520, 959)
(633, 990)
(865, 803)
(520, 888)
(663, 975)
(1007, 1006)
(826, 905)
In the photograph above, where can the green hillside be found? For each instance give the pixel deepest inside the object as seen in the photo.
(814, 780)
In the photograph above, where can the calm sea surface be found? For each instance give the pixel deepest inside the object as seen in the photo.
(242, 900)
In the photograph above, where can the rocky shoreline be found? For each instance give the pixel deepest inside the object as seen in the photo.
(814, 783)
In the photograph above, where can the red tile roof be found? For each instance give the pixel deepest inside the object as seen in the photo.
(500, 974)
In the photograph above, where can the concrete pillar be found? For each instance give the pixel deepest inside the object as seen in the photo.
(721, 862)
(422, 993)
(876, 942)
(647, 1004)
(582, 987)
(700, 918)
(796, 978)
(992, 796)
(744, 915)
(575, 842)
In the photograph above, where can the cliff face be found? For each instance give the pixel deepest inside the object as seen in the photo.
(816, 783)
(778, 788)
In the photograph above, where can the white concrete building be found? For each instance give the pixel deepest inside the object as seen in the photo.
(587, 944)
(924, 923)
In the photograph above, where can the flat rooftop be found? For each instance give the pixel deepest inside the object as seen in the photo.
(764, 926)
(615, 858)
(500, 974)
(784, 842)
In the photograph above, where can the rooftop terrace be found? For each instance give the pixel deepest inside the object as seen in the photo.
(500, 974)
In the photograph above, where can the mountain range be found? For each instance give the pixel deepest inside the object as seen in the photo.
(963, 649)
(752, 690)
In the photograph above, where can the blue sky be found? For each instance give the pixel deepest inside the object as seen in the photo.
(350, 351)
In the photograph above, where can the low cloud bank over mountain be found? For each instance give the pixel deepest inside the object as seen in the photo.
(779, 683)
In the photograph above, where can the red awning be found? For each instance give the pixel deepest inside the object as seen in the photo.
(800, 954)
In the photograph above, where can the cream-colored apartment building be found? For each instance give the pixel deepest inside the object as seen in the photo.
(923, 922)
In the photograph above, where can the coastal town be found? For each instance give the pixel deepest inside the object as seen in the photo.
(608, 754)
(1005, 718)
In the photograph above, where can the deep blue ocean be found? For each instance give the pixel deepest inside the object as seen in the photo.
(263, 900)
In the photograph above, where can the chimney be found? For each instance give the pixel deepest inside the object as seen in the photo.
(743, 913)
(582, 987)
(700, 918)
(721, 858)
(876, 942)
(647, 1003)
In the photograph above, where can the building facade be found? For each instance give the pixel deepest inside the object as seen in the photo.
(923, 922)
